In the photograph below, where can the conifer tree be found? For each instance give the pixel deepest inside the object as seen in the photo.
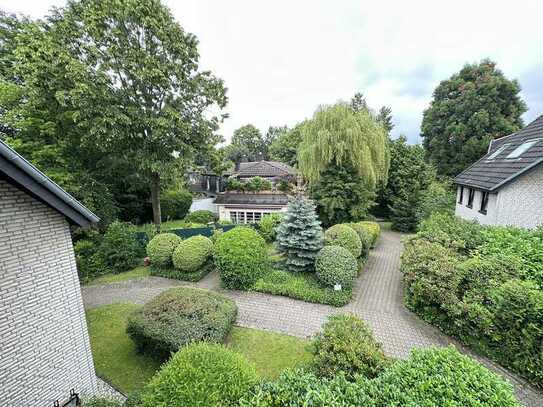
(299, 235)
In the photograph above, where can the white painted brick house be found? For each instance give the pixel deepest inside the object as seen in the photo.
(505, 187)
(44, 343)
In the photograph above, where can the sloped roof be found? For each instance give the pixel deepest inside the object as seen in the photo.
(263, 169)
(251, 199)
(490, 174)
(23, 175)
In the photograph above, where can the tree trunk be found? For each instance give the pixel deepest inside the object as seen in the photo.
(155, 199)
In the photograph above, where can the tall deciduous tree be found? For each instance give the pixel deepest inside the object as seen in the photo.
(469, 109)
(285, 146)
(249, 140)
(343, 155)
(136, 87)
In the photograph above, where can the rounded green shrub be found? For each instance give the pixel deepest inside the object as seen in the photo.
(119, 249)
(336, 265)
(267, 226)
(373, 229)
(192, 253)
(344, 236)
(175, 204)
(178, 317)
(201, 216)
(365, 237)
(201, 374)
(346, 344)
(161, 247)
(240, 257)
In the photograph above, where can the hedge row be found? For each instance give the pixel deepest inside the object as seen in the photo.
(482, 285)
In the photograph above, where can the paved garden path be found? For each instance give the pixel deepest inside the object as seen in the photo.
(377, 299)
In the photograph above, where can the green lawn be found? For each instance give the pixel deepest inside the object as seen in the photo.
(270, 352)
(138, 272)
(117, 361)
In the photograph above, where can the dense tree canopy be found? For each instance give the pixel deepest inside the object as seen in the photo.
(247, 140)
(469, 109)
(117, 79)
(284, 147)
(337, 135)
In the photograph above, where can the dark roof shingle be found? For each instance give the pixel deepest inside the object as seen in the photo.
(491, 174)
(263, 169)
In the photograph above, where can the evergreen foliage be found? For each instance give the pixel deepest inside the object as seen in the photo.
(341, 195)
(344, 236)
(299, 235)
(468, 110)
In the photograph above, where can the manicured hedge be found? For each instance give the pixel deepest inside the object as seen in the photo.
(366, 238)
(179, 316)
(336, 265)
(201, 374)
(430, 377)
(201, 216)
(161, 247)
(175, 204)
(346, 345)
(482, 285)
(343, 236)
(373, 229)
(240, 257)
(192, 254)
(301, 286)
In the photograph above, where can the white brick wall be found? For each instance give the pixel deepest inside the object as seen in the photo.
(520, 203)
(44, 344)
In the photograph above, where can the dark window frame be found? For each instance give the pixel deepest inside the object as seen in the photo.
(484, 202)
(461, 198)
(471, 195)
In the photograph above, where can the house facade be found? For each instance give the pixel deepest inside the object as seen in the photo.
(250, 207)
(44, 345)
(505, 187)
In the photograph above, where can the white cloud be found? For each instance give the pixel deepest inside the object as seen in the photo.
(282, 59)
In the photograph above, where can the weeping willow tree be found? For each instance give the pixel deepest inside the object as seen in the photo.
(344, 154)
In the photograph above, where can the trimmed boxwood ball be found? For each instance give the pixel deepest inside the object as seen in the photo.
(192, 253)
(373, 228)
(178, 317)
(365, 237)
(344, 236)
(202, 374)
(161, 247)
(336, 265)
(240, 257)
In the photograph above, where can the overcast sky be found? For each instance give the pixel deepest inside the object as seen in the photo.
(282, 59)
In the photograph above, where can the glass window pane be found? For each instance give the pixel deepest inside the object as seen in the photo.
(498, 151)
(517, 152)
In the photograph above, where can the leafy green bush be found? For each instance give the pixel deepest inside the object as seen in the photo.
(366, 238)
(343, 236)
(440, 197)
(192, 253)
(161, 247)
(302, 388)
(336, 265)
(101, 402)
(240, 257)
(346, 345)
(525, 245)
(201, 374)
(179, 316)
(430, 377)
(373, 229)
(452, 231)
(257, 184)
(439, 377)
(87, 263)
(429, 271)
(268, 225)
(201, 216)
(175, 204)
(233, 184)
(119, 250)
(301, 286)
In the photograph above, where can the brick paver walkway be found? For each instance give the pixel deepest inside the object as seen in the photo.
(377, 299)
